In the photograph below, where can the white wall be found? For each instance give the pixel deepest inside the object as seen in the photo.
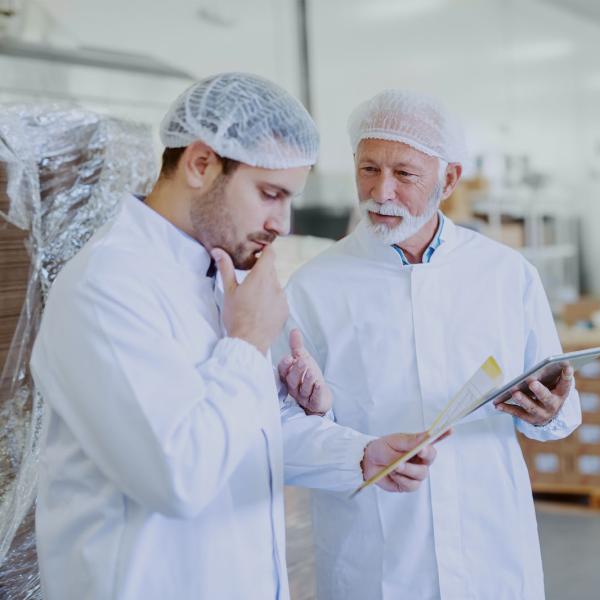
(260, 37)
(513, 70)
(524, 75)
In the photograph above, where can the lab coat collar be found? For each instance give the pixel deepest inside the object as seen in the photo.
(373, 248)
(161, 233)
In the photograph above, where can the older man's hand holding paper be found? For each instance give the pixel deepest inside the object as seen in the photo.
(483, 387)
(468, 399)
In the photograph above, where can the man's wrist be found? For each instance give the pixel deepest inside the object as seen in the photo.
(255, 340)
(315, 412)
(545, 423)
(363, 460)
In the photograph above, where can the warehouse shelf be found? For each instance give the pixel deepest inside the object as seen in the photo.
(550, 236)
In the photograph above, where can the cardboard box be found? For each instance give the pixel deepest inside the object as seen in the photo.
(590, 371)
(458, 206)
(582, 310)
(583, 384)
(545, 466)
(587, 436)
(589, 396)
(582, 469)
(511, 234)
(587, 467)
(11, 300)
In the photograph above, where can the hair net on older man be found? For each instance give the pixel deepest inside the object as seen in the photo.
(411, 118)
(245, 118)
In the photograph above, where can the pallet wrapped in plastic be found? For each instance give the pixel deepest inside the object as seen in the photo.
(62, 172)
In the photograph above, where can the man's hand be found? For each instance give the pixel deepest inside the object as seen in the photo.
(256, 309)
(406, 477)
(546, 404)
(303, 377)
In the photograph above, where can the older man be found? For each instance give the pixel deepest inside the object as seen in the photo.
(399, 314)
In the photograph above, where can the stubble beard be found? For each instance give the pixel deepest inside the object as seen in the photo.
(214, 226)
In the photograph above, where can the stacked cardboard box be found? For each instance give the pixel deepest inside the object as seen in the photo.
(575, 460)
(14, 272)
(583, 461)
(573, 463)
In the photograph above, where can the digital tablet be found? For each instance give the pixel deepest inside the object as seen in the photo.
(547, 372)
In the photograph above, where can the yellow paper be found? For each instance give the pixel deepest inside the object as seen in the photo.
(469, 398)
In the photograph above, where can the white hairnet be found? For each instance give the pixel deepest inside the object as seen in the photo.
(413, 119)
(245, 118)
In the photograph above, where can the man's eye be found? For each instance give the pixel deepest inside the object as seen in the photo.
(368, 169)
(270, 195)
(404, 174)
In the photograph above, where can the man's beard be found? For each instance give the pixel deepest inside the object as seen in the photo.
(213, 224)
(408, 226)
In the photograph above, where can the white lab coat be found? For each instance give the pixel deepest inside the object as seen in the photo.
(161, 469)
(395, 343)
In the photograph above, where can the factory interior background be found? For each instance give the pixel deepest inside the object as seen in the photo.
(522, 75)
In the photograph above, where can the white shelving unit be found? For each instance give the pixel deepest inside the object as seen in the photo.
(550, 237)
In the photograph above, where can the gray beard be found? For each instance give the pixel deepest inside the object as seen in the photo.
(409, 225)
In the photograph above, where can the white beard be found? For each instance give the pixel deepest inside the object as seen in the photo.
(407, 227)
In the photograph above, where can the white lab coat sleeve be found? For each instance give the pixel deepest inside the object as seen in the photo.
(541, 340)
(167, 432)
(318, 453)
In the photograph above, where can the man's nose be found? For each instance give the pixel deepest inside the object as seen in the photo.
(384, 189)
(279, 221)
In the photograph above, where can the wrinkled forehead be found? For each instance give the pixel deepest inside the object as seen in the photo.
(392, 153)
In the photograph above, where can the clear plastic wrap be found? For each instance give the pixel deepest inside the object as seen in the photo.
(62, 171)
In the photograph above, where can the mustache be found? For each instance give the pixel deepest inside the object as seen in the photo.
(263, 238)
(388, 209)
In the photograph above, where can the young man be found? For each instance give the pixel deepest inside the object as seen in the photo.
(161, 470)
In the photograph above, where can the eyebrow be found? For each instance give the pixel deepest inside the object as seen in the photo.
(401, 165)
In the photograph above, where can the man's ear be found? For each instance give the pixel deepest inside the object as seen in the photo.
(453, 173)
(200, 165)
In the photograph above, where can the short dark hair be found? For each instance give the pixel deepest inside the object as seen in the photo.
(171, 156)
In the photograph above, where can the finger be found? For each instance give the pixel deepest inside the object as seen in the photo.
(296, 343)
(307, 382)
(390, 481)
(263, 272)
(541, 392)
(293, 377)
(265, 263)
(388, 484)
(316, 396)
(531, 406)
(302, 366)
(403, 442)
(443, 436)
(563, 387)
(517, 411)
(284, 366)
(226, 269)
(426, 455)
(405, 484)
(414, 471)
